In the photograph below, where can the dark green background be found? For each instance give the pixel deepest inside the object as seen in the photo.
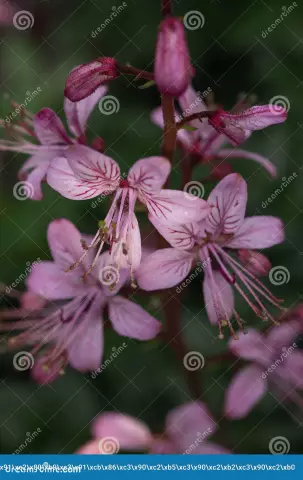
(230, 56)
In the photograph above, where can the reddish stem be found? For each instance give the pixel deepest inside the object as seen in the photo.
(129, 70)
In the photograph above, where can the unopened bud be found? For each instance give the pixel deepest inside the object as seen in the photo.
(255, 262)
(173, 70)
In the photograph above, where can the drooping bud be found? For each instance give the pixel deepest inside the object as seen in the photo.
(173, 70)
(85, 79)
(255, 262)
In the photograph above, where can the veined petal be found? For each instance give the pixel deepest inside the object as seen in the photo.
(179, 236)
(77, 113)
(35, 178)
(258, 232)
(186, 423)
(259, 117)
(131, 320)
(62, 178)
(176, 206)
(228, 203)
(86, 350)
(245, 390)
(164, 269)
(96, 169)
(148, 175)
(131, 433)
(49, 128)
(218, 296)
(238, 153)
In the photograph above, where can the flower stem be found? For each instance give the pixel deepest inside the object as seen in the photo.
(170, 130)
(166, 8)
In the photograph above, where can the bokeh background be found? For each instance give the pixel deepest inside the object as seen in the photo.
(230, 56)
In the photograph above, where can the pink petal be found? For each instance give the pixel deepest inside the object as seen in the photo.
(131, 320)
(209, 448)
(176, 206)
(228, 203)
(50, 281)
(164, 269)
(238, 153)
(49, 128)
(227, 125)
(218, 296)
(258, 232)
(35, 178)
(148, 175)
(64, 241)
(89, 448)
(77, 113)
(293, 367)
(103, 267)
(130, 433)
(157, 117)
(86, 350)
(191, 102)
(283, 335)
(162, 446)
(259, 117)
(188, 422)
(85, 79)
(98, 170)
(251, 346)
(61, 178)
(179, 236)
(133, 246)
(245, 390)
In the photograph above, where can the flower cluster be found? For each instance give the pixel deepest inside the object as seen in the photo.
(70, 299)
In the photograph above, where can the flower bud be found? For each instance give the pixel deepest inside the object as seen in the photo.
(85, 79)
(255, 262)
(173, 70)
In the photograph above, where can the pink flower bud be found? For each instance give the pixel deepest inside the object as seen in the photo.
(173, 70)
(85, 79)
(255, 262)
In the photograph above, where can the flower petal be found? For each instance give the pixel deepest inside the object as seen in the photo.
(64, 241)
(77, 113)
(245, 390)
(131, 320)
(188, 422)
(251, 346)
(98, 170)
(179, 236)
(228, 203)
(164, 268)
(86, 350)
(49, 128)
(89, 448)
(238, 153)
(293, 368)
(38, 173)
(61, 178)
(258, 232)
(130, 433)
(218, 295)
(176, 206)
(209, 448)
(149, 174)
(259, 117)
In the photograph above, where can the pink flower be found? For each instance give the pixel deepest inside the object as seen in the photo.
(209, 137)
(73, 332)
(85, 173)
(47, 128)
(85, 79)
(276, 364)
(210, 241)
(7, 11)
(173, 70)
(187, 429)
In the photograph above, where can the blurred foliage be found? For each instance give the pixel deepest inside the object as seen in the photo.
(230, 56)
